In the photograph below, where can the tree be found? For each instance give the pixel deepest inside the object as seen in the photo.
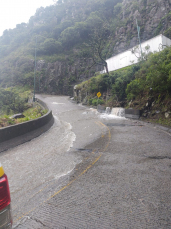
(97, 39)
(69, 36)
(141, 56)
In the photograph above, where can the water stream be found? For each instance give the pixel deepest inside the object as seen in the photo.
(118, 111)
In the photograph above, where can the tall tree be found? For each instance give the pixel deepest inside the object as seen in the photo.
(97, 39)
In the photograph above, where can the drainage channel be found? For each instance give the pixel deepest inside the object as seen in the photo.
(120, 125)
(159, 157)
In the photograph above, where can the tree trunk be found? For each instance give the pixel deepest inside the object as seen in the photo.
(107, 69)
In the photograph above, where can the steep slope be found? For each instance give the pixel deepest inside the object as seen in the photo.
(61, 31)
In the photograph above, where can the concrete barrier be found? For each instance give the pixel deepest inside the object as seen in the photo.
(14, 131)
(121, 112)
(132, 113)
(127, 113)
(42, 104)
(101, 109)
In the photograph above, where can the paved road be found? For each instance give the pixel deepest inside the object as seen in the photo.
(120, 178)
(34, 169)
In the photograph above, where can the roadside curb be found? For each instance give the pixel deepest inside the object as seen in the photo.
(166, 129)
(159, 127)
(134, 114)
(15, 135)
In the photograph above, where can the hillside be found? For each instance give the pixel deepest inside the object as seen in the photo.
(145, 86)
(61, 30)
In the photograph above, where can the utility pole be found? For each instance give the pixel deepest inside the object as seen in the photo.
(138, 29)
(35, 72)
(39, 83)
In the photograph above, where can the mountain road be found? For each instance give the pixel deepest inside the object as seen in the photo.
(91, 170)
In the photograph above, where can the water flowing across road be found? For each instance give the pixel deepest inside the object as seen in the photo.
(33, 166)
(118, 172)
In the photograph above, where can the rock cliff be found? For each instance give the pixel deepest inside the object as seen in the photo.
(153, 17)
(58, 76)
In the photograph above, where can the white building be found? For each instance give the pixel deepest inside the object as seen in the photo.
(127, 58)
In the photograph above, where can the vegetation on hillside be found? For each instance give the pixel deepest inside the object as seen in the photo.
(78, 35)
(62, 30)
(59, 29)
(29, 114)
(14, 101)
(145, 86)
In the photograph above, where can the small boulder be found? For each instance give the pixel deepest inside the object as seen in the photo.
(129, 104)
(167, 115)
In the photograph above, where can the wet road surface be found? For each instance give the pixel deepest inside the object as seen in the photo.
(118, 173)
(34, 168)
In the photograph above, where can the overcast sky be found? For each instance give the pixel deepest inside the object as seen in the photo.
(14, 12)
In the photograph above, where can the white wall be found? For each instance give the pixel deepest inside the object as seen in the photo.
(128, 58)
(166, 41)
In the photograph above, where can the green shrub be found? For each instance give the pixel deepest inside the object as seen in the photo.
(154, 76)
(121, 78)
(90, 101)
(95, 102)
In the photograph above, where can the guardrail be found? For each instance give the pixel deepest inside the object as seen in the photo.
(12, 132)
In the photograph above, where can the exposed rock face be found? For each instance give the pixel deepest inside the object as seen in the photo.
(60, 77)
(41, 64)
(153, 18)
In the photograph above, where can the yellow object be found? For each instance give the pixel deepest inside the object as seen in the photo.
(98, 94)
(1, 170)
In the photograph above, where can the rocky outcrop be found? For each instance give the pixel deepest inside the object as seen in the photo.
(60, 77)
(153, 17)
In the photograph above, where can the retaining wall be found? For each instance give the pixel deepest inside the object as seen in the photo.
(127, 113)
(42, 104)
(101, 109)
(14, 131)
(132, 113)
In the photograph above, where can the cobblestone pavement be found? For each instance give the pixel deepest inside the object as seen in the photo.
(122, 182)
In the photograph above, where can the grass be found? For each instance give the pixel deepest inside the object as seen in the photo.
(30, 114)
(161, 121)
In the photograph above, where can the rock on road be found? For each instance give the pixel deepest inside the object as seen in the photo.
(91, 171)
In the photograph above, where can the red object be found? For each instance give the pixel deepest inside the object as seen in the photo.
(5, 199)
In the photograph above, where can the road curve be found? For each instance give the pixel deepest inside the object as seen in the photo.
(35, 167)
(119, 173)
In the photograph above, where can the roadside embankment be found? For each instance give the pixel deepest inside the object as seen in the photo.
(131, 114)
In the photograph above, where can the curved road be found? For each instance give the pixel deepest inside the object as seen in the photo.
(91, 171)
(34, 168)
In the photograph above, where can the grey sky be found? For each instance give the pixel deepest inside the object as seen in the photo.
(14, 12)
